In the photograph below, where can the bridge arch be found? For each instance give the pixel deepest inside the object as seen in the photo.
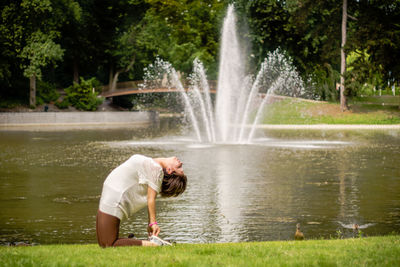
(133, 87)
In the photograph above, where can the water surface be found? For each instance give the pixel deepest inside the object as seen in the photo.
(50, 184)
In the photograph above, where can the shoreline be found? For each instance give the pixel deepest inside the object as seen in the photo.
(71, 126)
(49, 127)
(49, 121)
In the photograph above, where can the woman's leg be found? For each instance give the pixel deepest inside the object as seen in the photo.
(107, 229)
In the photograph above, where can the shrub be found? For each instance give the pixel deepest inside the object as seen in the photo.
(323, 83)
(62, 104)
(84, 96)
(46, 93)
(9, 103)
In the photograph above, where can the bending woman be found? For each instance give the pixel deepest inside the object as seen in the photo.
(129, 188)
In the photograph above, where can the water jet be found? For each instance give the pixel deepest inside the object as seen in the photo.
(240, 98)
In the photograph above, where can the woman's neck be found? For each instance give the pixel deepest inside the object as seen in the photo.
(160, 161)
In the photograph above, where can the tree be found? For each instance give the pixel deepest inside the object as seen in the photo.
(269, 26)
(29, 31)
(180, 31)
(106, 24)
(343, 102)
(307, 30)
(125, 46)
(124, 54)
(377, 32)
(74, 38)
(115, 40)
(12, 40)
(39, 52)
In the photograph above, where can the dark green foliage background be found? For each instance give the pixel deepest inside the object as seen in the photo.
(99, 37)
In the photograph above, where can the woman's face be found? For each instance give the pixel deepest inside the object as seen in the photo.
(174, 165)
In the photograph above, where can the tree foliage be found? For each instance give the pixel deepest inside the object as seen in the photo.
(377, 32)
(29, 30)
(115, 40)
(180, 31)
(39, 51)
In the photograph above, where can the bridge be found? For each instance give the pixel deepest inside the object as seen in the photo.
(133, 87)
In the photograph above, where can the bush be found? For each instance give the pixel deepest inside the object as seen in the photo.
(9, 103)
(84, 96)
(366, 90)
(323, 83)
(46, 93)
(62, 104)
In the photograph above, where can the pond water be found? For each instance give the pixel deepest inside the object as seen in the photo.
(51, 182)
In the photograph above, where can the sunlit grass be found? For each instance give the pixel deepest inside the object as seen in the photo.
(384, 99)
(371, 251)
(295, 111)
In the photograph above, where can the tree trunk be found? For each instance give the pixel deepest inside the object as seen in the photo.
(343, 100)
(32, 91)
(113, 85)
(114, 81)
(110, 77)
(76, 71)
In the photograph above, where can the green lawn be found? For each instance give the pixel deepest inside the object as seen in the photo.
(370, 251)
(297, 111)
(381, 100)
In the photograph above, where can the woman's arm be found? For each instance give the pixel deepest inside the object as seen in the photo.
(154, 229)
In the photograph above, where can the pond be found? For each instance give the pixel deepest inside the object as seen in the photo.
(325, 180)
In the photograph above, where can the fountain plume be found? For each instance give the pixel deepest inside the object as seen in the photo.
(240, 99)
(231, 75)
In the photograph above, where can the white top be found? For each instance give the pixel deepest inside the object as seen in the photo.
(125, 189)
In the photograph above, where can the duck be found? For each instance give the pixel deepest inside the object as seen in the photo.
(356, 226)
(298, 235)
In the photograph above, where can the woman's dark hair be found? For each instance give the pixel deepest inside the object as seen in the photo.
(173, 185)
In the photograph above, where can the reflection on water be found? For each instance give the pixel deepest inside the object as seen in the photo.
(50, 184)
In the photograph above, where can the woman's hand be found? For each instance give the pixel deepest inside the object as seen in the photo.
(153, 230)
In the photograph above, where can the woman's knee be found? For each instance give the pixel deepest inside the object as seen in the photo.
(107, 228)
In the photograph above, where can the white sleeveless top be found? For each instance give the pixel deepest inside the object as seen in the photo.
(125, 189)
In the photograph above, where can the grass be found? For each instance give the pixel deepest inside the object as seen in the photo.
(371, 251)
(381, 100)
(297, 111)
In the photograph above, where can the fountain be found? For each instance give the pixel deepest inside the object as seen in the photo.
(236, 193)
(240, 99)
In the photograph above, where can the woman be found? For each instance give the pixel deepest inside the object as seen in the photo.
(129, 188)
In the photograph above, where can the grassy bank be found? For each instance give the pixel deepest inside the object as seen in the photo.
(384, 100)
(382, 251)
(297, 111)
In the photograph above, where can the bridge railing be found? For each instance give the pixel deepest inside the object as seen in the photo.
(124, 85)
(134, 87)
